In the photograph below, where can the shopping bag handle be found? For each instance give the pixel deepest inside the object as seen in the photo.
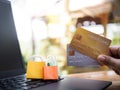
(37, 58)
(51, 60)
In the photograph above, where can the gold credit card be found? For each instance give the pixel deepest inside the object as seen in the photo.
(89, 43)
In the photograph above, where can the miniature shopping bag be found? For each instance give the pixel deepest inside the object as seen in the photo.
(51, 70)
(35, 67)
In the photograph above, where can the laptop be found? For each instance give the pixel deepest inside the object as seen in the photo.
(12, 70)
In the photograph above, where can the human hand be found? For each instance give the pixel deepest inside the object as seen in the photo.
(112, 61)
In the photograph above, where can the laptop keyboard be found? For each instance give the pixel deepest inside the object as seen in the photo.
(21, 83)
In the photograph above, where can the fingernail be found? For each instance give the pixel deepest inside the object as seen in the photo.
(101, 58)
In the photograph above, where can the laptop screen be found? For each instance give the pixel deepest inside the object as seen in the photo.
(11, 63)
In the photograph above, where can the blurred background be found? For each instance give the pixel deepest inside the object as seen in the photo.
(45, 27)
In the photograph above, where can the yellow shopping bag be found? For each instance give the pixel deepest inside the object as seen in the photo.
(35, 69)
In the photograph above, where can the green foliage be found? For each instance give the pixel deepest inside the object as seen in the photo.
(116, 39)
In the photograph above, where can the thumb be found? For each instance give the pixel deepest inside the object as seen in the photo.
(107, 60)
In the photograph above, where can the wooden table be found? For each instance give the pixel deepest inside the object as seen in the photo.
(101, 75)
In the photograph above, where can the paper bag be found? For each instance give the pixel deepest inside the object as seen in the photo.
(50, 73)
(35, 69)
(51, 70)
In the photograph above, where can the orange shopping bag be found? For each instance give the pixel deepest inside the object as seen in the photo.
(35, 68)
(51, 72)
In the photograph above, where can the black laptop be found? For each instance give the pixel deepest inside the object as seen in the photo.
(12, 70)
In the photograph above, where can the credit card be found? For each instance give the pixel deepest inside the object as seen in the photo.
(89, 43)
(75, 58)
